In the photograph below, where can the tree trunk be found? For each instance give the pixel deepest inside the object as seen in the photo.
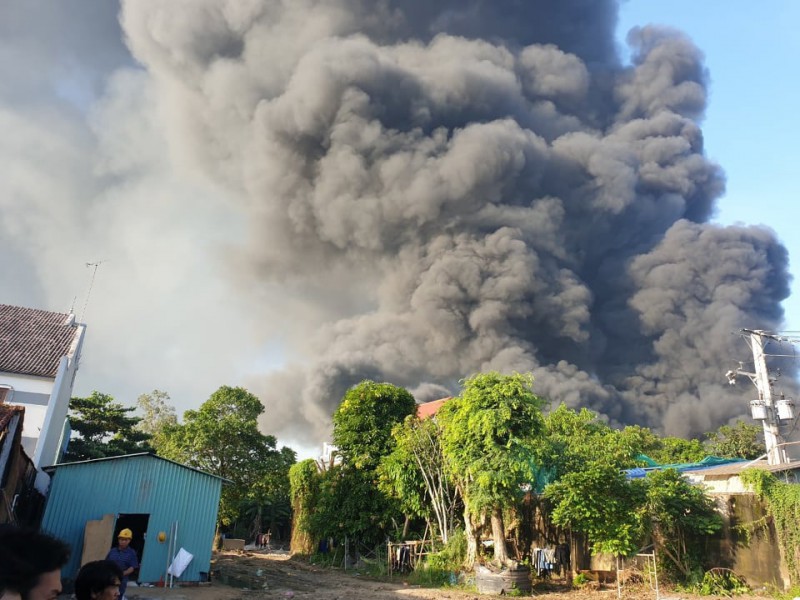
(217, 543)
(256, 528)
(472, 539)
(499, 538)
(406, 525)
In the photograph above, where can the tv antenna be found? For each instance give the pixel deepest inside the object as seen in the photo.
(93, 266)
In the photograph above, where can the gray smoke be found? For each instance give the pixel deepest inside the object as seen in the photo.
(462, 186)
(426, 189)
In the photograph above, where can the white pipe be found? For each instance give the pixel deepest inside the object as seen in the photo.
(174, 550)
(166, 567)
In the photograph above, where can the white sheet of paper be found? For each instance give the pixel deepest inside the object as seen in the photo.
(179, 563)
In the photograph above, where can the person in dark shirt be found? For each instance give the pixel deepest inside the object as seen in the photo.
(125, 557)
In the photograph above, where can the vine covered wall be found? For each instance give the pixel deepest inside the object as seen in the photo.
(748, 543)
(783, 506)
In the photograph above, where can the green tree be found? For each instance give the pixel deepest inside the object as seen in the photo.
(156, 412)
(102, 427)
(599, 502)
(222, 438)
(267, 503)
(740, 440)
(490, 437)
(363, 422)
(663, 450)
(676, 450)
(351, 502)
(677, 515)
(304, 480)
(416, 475)
(575, 438)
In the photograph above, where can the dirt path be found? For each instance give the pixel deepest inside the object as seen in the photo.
(259, 575)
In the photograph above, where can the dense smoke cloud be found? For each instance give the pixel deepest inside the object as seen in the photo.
(423, 190)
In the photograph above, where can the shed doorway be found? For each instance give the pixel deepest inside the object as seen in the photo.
(137, 523)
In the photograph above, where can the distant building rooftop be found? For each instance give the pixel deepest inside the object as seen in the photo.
(736, 468)
(428, 409)
(33, 341)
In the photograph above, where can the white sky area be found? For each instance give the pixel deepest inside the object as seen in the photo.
(164, 313)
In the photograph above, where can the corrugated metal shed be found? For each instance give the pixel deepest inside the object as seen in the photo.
(136, 484)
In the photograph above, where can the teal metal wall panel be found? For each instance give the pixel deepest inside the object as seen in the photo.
(143, 484)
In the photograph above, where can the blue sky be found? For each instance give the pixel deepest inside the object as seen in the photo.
(752, 120)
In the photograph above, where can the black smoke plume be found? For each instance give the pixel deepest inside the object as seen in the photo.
(446, 187)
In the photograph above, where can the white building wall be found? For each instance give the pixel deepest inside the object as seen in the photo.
(34, 394)
(48, 447)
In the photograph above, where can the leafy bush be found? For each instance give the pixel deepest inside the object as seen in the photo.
(722, 582)
(792, 593)
(579, 580)
(440, 568)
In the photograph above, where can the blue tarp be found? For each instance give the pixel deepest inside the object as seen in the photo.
(707, 463)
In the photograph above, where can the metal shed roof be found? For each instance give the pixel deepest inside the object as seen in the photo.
(51, 468)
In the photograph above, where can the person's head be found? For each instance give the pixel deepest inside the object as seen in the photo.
(30, 564)
(124, 538)
(98, 580)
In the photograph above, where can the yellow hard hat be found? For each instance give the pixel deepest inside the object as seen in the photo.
(125, 533)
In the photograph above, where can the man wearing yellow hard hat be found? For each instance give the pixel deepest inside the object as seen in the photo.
(125, 557)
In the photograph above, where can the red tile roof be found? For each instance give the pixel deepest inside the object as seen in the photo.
(428, 409)
(33, 341)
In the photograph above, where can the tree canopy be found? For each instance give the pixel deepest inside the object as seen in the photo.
(592, 494)
(493, 444)
(363, 422)
(598, 501)
(416, 475)
(156, 412)
(222, 437)
(490, 437)
(102, 427)
(740, 440)
(304, 482)
(351, 502)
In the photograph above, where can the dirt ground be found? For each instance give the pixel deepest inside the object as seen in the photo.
(261, 575)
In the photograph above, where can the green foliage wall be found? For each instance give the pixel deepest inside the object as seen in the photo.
(351, 502)
(304, 482)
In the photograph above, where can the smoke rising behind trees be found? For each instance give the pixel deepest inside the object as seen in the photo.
(416, 191)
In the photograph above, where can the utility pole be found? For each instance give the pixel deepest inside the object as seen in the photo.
(775, 454)
(764, 408)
